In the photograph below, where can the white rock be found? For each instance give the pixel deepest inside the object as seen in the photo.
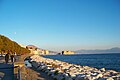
(99, 75)
(70, 71)
(110, 78)
(102, 69)
(27, 64)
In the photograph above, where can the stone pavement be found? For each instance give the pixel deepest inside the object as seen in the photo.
(9, 72)
(6, 71)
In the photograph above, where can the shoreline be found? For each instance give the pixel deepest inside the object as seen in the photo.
(64, 71)
(107, 61)
(28, 73)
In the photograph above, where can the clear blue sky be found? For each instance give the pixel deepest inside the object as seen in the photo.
(62, 24)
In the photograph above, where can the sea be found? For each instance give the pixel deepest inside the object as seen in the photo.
(108, 61)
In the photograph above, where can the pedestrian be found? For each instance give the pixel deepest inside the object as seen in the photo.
(12, 58)
(7, 58)
(15, 56)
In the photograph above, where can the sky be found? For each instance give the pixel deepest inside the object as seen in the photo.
(62, 24)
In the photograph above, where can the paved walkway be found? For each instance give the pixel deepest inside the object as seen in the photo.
(7, 70)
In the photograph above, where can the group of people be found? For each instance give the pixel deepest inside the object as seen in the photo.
(9, 56)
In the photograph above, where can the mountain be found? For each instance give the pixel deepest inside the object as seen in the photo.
(9, 46)
(112, 50)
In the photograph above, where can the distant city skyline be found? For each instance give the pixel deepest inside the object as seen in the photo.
(62, 24)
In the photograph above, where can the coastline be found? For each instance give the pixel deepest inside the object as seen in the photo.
(28, 73)
(107, 61)
(64, 71)
(25, 72)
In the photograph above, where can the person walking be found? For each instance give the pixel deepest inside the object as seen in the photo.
(7, 58)
(15, 56)
(12, 58)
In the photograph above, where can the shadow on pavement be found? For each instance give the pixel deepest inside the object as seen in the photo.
(7, 70)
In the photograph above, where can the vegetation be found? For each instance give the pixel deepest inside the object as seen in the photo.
(9, 46)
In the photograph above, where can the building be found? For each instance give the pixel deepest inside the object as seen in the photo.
(68, 52)
(36, 50)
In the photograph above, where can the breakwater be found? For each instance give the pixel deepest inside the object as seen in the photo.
(64, 71)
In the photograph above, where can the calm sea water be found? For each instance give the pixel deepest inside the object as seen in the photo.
(108, 61)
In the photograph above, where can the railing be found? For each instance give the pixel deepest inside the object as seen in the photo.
(18, 73)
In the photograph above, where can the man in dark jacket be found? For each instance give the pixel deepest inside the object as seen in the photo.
(7, 57)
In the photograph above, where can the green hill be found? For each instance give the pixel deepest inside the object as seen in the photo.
(7, 45)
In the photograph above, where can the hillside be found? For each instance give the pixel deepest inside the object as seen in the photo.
(7, 45)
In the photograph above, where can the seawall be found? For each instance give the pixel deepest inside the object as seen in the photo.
(64, 71)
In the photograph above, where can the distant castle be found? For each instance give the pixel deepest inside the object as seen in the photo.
(68, 52)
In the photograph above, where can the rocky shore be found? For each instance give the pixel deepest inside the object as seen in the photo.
(64, 71)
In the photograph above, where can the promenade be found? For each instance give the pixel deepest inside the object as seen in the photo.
(6, 70)
(10, 71)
